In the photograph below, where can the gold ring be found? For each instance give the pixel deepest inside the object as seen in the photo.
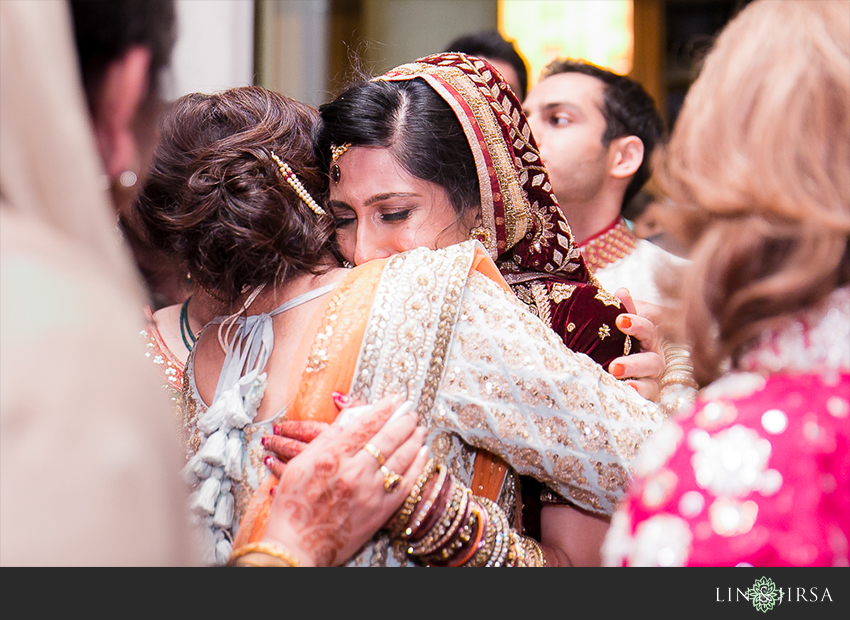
(392, 481)
(376, 453)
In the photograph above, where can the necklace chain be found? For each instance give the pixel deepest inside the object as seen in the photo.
(185, 327)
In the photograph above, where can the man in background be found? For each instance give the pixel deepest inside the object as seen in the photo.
(499, 52)
(596, 131)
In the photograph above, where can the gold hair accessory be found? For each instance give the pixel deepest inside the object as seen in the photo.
(337, 151)
(375, 452)
(392, 481)
(290, 177)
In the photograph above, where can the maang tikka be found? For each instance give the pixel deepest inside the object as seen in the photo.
(336, 153)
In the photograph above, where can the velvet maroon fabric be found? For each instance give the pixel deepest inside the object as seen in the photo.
(593, 329)
(523, 227)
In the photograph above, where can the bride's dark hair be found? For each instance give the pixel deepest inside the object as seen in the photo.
(411, 120)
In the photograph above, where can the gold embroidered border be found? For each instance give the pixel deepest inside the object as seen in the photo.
(541, 300)
(442, 287)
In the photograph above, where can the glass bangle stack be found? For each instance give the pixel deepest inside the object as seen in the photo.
(452, 527)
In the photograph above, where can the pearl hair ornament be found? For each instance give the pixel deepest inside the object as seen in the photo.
(290, 177)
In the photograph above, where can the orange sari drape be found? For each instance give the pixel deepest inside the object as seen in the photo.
(332, 350)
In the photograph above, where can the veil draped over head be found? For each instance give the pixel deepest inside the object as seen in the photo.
(88, 448)
(523, 227)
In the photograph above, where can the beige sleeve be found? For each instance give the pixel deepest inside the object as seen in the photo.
(513, 388)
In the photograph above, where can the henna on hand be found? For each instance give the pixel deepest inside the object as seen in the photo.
(300, 430)
(283, 448)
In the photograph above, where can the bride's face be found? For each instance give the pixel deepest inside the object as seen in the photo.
(381, 210)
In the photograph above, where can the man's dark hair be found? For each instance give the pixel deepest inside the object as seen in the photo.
(490, 44)
(105, 29)
(628, 110)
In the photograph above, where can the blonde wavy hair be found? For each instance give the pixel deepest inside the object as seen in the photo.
(758, 173)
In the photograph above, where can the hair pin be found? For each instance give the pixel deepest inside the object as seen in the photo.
(290, 177)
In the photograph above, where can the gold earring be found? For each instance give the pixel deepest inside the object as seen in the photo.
(481, 234)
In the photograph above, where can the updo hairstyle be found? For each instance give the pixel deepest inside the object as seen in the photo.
(215, 198)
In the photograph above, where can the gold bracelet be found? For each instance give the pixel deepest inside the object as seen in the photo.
(412, 500)
(267, 549)
(678, 369)
(422, 513)
(437, 536)
(533, 553)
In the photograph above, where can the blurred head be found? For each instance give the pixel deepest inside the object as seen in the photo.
(216, 200)
(499, 52)
(592, 125)
(409, 178)
(758, 168)
(123, 46)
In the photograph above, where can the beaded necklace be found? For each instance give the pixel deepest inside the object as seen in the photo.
(185, 327)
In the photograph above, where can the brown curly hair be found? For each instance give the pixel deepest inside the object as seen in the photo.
(216, 201)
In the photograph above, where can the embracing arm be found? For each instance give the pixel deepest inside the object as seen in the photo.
(512, 388)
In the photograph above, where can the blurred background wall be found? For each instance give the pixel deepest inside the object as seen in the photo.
(308, 49)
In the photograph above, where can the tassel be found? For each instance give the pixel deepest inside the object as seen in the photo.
(223, 517)
(208, 544)
(205, 498)
(212, 451)
(196, 470)
(218, 412)
(255, 396)
(223, 549)
(233, 455)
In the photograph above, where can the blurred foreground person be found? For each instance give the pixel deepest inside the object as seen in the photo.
(759, 170)
(73, 387)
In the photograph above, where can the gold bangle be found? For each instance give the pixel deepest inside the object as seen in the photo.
(412, 500)
(436, 537)
(268, 549)
(533, 553)
(423, 512)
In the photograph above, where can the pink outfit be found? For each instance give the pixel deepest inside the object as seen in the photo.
(759, 472)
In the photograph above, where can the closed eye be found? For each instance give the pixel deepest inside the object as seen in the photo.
(396, 216)
(343, 220)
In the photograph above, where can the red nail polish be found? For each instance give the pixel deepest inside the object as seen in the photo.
(275, 430)
(617, 370)
(625, 322)
(263, 441)
(339, 398)
(272, 491)
(267, 461)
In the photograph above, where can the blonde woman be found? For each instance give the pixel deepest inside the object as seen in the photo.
(759, 168)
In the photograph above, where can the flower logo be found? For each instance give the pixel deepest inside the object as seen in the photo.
(764, 594)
